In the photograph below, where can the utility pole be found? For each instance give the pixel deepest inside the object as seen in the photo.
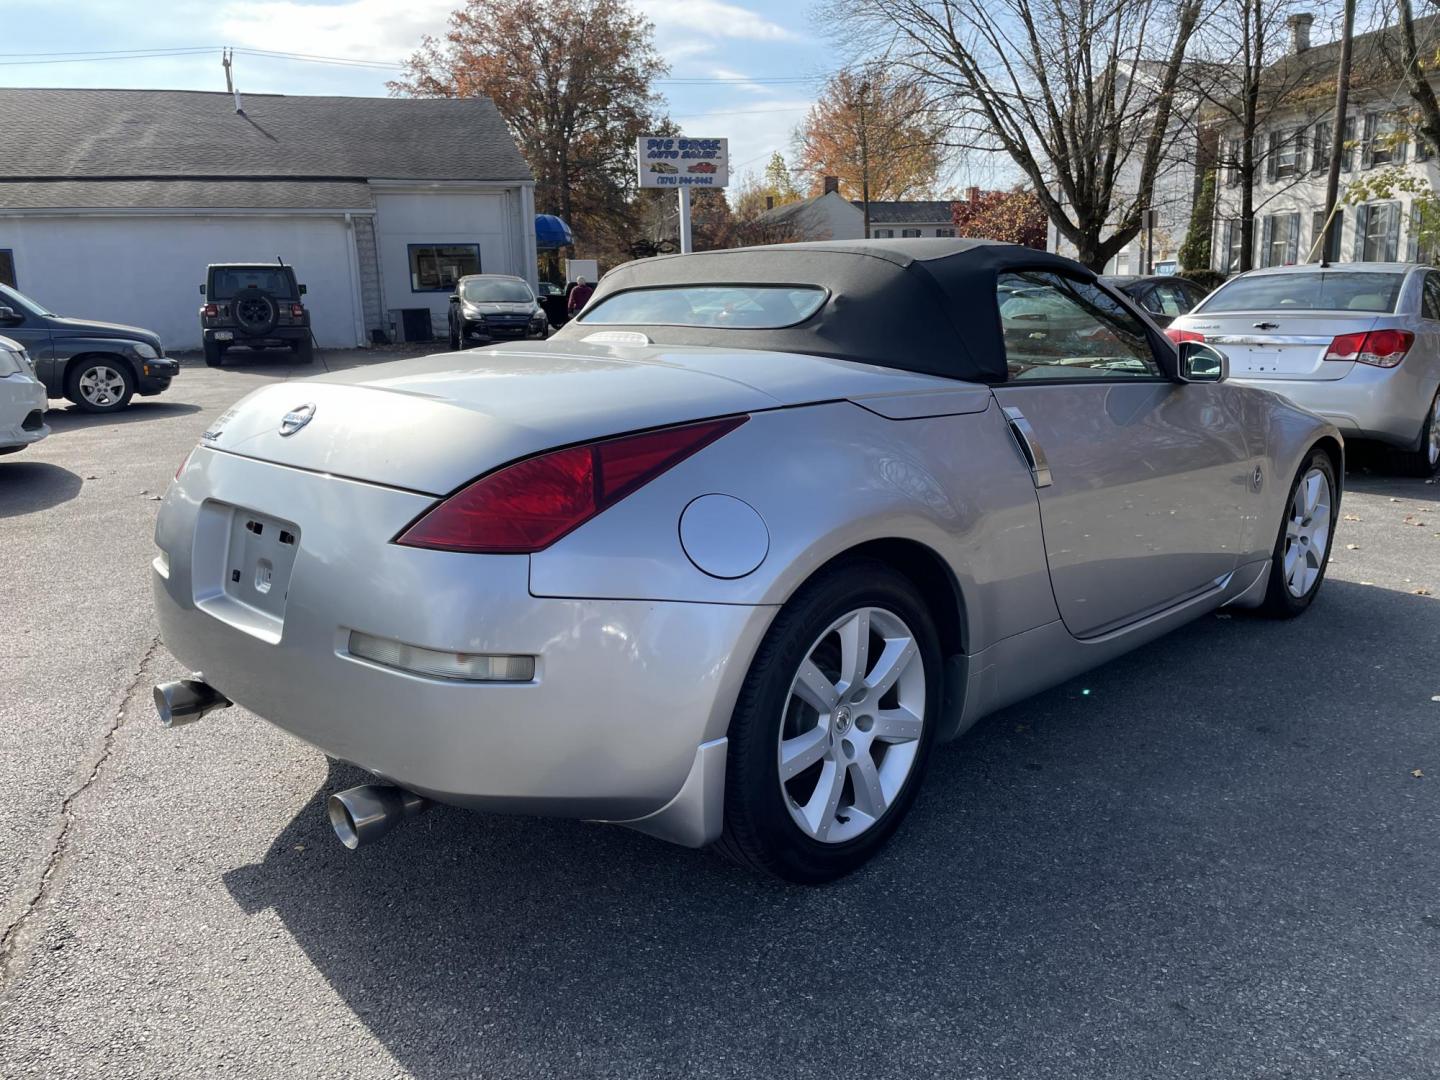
(864, 159)
(225, 63)
(1337, 134)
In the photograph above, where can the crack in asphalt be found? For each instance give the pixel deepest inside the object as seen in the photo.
(60, 833)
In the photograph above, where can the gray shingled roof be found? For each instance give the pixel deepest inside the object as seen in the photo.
(921, 212)
(133, 135)
(185, 194)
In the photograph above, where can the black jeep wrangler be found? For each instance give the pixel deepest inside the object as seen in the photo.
(254, 306)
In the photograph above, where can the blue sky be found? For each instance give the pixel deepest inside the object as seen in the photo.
(770, 55)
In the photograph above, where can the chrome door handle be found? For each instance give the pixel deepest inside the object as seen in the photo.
(1029, 445)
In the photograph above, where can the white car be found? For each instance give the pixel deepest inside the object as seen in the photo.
(22, 399)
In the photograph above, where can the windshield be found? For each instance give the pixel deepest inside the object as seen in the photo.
(1308, 291)
(496, 291)
(14, 298)
(742, 307)
(226, 281)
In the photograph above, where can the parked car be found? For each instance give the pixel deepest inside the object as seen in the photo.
(254, 306)
(702, 167)
(97, 365)
(551, 299)
(1163, 296)
(488, 307)
(728, 574)
(22, 399)
(662, 168)
(1358, 343)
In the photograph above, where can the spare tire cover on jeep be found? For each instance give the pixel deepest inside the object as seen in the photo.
(255, 311)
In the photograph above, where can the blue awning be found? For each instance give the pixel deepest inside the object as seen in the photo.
(551, 232)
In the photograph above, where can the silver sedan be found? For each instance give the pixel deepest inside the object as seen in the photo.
(1359, 343)
(726, 558)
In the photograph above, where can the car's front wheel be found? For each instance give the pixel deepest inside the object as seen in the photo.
(455, 341)
(1302, 550)
(833, 728)
(100, 384)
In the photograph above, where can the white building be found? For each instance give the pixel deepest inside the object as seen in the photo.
(830, 216)
(1294, 150)
(112, 203)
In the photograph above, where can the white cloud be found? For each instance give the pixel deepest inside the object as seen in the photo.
(358, 30)
(739, 81)
(714, 18)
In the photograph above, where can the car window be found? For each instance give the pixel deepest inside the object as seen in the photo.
(1308, 291)
(1168, 298)
(226, 281)
(1430, 301)
(1059, 328)
(14, 298)
(496, 291)
(741, 307)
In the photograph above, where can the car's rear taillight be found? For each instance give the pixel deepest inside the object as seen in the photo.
(1179, 337)
(1378, 348)
(212, 311)
(529, 505)
(297, 310)
(185, 462)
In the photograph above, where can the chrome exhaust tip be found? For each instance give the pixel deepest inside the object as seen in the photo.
(186, 700)
(362, 815)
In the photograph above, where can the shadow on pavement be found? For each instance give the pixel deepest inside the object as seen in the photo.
(27, 486)
(140, 410)
(1210, 852)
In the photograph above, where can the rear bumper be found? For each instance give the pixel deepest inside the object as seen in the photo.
(281, 336)
(22, 412)
(1385, 404)
(625, 692)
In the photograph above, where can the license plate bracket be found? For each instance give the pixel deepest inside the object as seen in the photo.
(242, 568)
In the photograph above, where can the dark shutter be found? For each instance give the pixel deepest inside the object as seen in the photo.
(1367, 142)
(1292, 252)
(1362, 222)
(1392, 232)
(1272, 159)
(1412, 234)
(1225, 227)
(1267, 232)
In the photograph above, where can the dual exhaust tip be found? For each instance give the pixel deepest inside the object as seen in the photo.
(360, 815)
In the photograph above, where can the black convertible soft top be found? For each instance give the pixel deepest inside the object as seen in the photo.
(921, 304)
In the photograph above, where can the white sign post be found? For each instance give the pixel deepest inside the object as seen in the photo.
(666, 161)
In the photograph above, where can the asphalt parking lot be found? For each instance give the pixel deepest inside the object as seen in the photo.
(1216, 857)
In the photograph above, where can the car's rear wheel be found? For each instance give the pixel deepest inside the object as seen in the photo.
(214, 354)
(304, 351)
(833, 729)
(1426, 460)
(1302, 550)
(100, 384)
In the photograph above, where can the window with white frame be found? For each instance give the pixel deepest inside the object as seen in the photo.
(883, 234)
(944, 232)
(1377, 232)
(909, 233)
(1280, 239)
(1231, 244)
(1320, 147)
(1385, 141)
(1230, 152)
(1284, 160)
(1330, 250)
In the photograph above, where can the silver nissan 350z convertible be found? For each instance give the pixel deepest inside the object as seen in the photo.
(726, 557)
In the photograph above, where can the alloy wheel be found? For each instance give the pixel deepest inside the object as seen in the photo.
(1307, 532)
(101, 386)
(1434, 446)
(851, 729)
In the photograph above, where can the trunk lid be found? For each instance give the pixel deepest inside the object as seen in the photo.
(1275, 345)
(434, 423)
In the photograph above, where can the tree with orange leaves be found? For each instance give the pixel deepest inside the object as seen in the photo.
(867, 121)
(572, 78)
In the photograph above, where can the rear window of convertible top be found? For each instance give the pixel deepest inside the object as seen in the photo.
(738, 307)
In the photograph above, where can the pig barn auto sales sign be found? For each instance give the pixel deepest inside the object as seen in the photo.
(667, 162)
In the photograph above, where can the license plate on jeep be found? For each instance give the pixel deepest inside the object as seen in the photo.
(224, 335)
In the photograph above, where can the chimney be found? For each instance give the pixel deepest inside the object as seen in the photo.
(972, 194)
(1299, 25)
(832, 184)
(769, 202)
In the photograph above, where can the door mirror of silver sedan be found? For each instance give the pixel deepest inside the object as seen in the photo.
(1202, 363)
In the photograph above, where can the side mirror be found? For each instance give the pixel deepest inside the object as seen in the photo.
(202, 290)
(455, 296)
(302, 290)
(8, 316)
(1201, 363)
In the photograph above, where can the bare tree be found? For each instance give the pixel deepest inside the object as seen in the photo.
(1239, 81)
(1079, 93)
(1417, 81)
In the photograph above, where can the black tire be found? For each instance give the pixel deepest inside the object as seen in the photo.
(759, 832)
(1280, 602)
(214, 353)
(304, 351)
(100, 384)
(455, 337)
(1425, 461)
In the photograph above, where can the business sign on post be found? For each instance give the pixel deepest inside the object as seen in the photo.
(673, 162)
